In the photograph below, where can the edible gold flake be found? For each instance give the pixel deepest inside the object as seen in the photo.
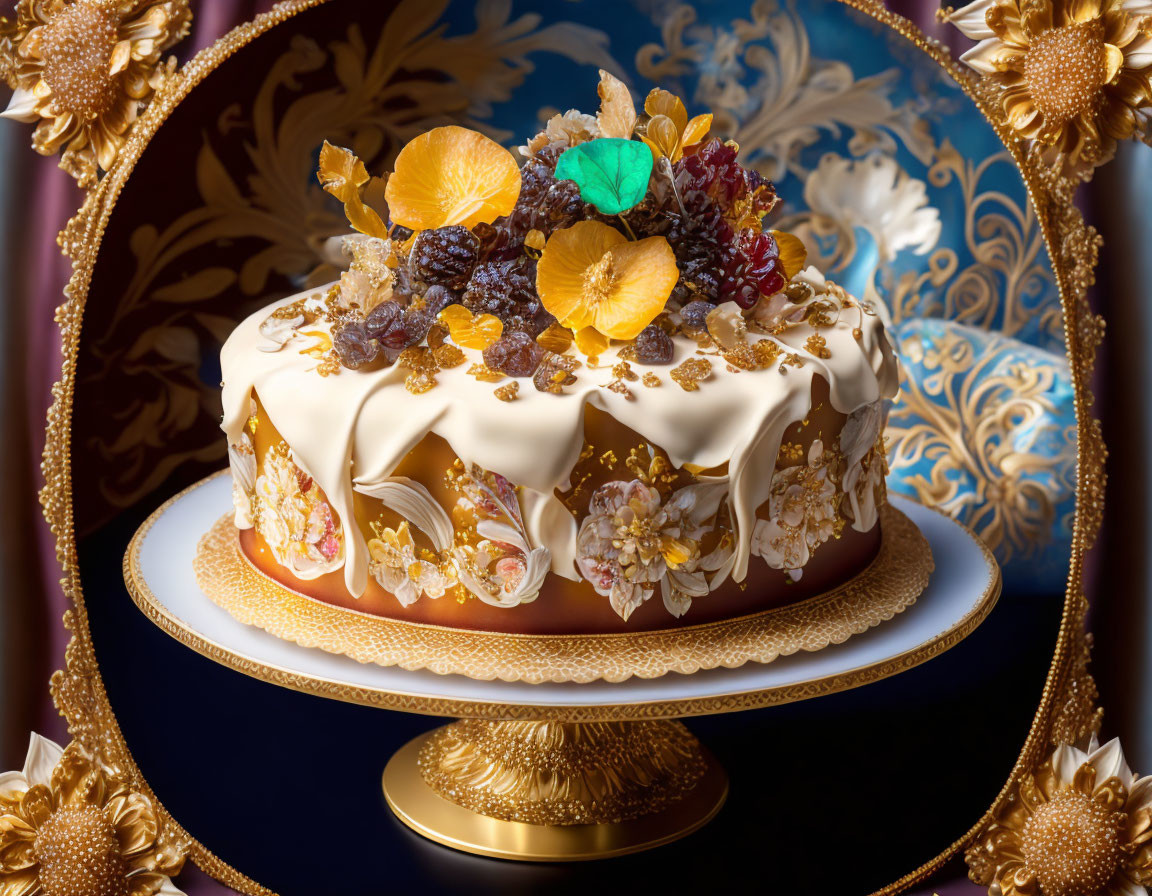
(818, 346)
(624, 371)
(791, 453)
(420, 381)
(447, 356)
(485, 374)
(689, 374)
(608, 458)
(650, 380)
(620, 388)
(418, 358)
(507, 392)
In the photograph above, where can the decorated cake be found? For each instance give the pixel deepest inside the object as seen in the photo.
(586, 390)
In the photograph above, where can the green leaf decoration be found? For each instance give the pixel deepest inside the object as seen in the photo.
(612, 174)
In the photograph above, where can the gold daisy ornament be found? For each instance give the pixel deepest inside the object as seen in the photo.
(81, 70)
(1075, 75)
(70, 827)
(1081, 824)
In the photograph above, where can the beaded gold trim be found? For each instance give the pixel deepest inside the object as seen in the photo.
(889, 585)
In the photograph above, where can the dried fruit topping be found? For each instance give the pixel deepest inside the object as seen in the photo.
(554, 373)
(516, 354)
(452, 175)
(753, 269)
(388, 324)
(694, 317)
(591, 275)
(653, 346)
(713, 171)
(470, 330)
(504, 289)
(353, 344)
(437, 298)
(444, 256)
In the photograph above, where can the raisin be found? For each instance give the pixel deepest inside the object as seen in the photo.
(353, 345)
(653, 346)
(752, 268)
(506, 289)
(516, 354)
(437, 298)
(384, 323)
(444, 256)
(694, 316)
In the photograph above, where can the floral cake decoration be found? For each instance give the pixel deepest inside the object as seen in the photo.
(626, 227)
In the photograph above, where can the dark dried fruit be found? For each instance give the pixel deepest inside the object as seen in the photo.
(694, 316)
(752, 268)
(653, 346)
(506, 289)
(713, 171)
(437, 298)
(516, 354)
(386, 324)
(444, 256)
(353, 345)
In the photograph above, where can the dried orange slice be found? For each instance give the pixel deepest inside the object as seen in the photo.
(452, 175)
(471, 331)
(591, 275)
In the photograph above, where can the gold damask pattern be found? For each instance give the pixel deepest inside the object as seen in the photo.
(890, 585)
(969, 410)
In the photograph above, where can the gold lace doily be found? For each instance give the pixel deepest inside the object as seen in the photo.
(888, 586)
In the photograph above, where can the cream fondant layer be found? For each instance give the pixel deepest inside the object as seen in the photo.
(367, 421)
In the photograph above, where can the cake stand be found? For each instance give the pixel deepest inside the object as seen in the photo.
(554, 771)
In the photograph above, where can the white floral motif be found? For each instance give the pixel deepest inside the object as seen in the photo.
(802, 513)
(395, 565)
(874, 194)
(242, 463)
(630, 542)
(569, 128)
(294, 520)
(864, 470)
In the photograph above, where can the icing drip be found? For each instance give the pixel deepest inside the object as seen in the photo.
(367, 422)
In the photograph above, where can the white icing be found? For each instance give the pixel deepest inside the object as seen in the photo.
(368, 421)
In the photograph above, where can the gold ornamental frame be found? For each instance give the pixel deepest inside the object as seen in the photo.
(1067, 708)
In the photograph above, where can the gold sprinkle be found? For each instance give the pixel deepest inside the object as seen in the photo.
(791, 453)
(817, 346)
(689, 374)
(608, 458)
(650, 380)
(857, 333)
(485, 374)
(620, 388)
(420, 381)
(448, 355)
(507, 392)
(624, 371)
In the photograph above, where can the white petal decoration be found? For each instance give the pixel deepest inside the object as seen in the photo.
(12, 784)
(1138, 54)
(982, 56)
(43, 756)
(495, 531)
(878, 196)
(415, 503)
(1109, 762)
(169, 889)
(22, 106)
(972, 19)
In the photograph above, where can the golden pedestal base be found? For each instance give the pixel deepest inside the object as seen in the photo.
(554, 791)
